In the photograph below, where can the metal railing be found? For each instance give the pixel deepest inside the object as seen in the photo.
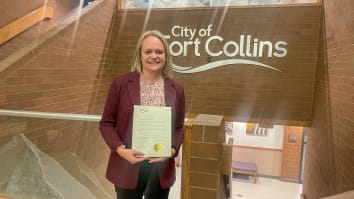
(51, 115)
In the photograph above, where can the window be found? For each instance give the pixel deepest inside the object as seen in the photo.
(138, 4)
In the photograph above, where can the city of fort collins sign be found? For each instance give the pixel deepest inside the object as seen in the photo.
(249, 64)
(237, 51)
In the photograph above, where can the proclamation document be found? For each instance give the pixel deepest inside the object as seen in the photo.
(152, 130)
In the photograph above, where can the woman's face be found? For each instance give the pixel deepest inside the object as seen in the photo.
(153, 55)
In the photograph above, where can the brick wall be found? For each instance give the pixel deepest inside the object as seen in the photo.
(240, 92)
(70, 72)
(291, 154)
(329, 159)
(12, 10)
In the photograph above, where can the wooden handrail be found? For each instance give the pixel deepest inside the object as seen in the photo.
(186, 159)
(226, 159)
(25, 22)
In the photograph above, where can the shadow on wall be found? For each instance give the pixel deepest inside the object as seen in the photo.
(27, 172)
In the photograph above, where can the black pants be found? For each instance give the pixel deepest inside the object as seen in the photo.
(148, 184)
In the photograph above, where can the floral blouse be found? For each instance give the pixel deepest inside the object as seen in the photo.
(152, 94)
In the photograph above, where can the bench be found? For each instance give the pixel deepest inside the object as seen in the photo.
(248, 168)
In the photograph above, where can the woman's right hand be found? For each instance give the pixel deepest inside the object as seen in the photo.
(131, 155)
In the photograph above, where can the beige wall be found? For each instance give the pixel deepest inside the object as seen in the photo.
(268, 160)
(273, 139)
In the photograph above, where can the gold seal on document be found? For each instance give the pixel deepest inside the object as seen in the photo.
(158, 147)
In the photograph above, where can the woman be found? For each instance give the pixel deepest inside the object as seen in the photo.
(148, 84)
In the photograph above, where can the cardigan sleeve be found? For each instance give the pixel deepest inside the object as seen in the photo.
(179, 123)
(108, 123)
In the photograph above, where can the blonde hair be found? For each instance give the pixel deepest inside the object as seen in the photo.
(137, 65)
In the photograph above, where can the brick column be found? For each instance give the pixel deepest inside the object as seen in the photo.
(207, 136)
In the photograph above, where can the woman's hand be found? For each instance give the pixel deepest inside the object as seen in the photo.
(131, 155)
(153, 160)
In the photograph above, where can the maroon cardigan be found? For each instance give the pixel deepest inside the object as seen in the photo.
(116, 128)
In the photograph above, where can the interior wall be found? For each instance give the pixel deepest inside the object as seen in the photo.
(266, 151)
(291, 154)
(329, 158)
(70, 72)
(13, 10)
(274, 154)
(268, 160)
(240, 92)
(273, 139)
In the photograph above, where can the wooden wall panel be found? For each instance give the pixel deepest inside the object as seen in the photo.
(240, 92)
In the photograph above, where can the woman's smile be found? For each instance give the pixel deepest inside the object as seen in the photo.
(153, 55)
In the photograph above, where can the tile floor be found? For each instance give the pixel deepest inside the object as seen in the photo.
(266, 188)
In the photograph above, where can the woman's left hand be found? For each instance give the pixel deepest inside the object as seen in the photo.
(161, 159)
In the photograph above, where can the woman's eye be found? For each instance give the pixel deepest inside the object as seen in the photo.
(160, 52)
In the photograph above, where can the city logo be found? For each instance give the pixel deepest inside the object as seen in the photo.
(237, 52)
